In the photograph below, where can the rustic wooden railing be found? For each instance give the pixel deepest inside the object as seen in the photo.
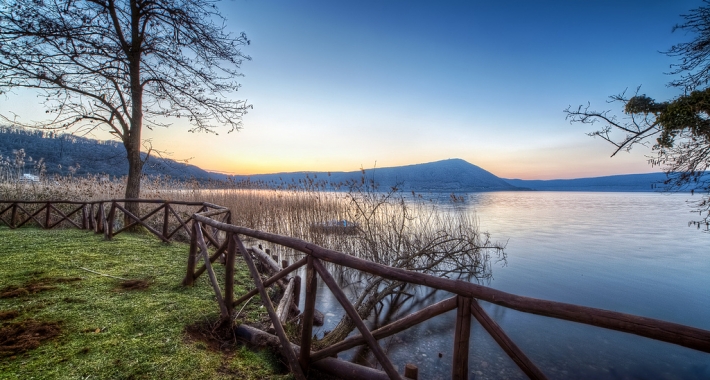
(210, 226)
(104, 217)
(464, 300)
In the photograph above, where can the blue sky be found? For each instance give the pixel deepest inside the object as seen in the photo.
(338, 85)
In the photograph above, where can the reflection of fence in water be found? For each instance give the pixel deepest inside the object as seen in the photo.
(203, 231)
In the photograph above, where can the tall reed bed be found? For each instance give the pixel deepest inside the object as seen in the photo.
(401, 231)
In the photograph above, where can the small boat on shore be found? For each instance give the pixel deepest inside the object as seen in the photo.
(336, 226)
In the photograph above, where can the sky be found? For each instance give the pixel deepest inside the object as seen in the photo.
(336, 85)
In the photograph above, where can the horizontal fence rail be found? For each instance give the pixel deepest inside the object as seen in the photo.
(211, 235)
(465, 302)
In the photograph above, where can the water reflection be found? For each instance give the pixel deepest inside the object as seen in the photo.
(627, 252)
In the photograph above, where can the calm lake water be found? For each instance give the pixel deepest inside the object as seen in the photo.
(627, 252)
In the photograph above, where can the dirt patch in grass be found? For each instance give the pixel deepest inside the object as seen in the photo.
(34, 286)
(134, 284)
(18, 337)
(215, 336)
(7, 315)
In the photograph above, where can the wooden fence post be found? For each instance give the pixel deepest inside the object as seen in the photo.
(411, 371)
(189, 279)
(92, 224)
(307, 316)
(286, 348)
(100, 219)
(296, 289)
(165, 221)
(84, 219)
(229, 275)
(47, 216)
(13, 215)
(110, 221)
(461, 338)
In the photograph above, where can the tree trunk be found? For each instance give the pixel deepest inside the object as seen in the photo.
(133, 184)
(132, 141)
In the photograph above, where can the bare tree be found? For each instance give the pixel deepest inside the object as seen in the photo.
(411, 234)
(123, 64)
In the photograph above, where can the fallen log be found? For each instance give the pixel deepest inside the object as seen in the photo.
(332, 366)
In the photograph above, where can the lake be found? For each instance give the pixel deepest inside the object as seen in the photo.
(627, 252)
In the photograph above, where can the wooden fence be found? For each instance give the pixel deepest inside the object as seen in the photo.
(210, 226)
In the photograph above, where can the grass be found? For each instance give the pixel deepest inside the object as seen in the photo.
(106, 331)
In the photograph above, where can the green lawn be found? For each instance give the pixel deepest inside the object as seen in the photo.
(105, 331)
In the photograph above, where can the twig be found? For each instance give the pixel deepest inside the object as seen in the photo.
(105, 275)
(245, 305)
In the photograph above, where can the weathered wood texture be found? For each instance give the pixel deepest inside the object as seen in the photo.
(338, 368)
(211, 223)
(411, 371)
(686, 336)
(307, 316)
(352, 313)
(224, 312)
(271, 280)
(390, 329)
(459, 368)
(286, 348)
(510, 348)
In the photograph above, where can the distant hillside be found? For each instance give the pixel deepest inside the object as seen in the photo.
(60, 151)
(453, 175)
(621, 183)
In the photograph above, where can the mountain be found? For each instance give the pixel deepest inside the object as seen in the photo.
(452, 175)
(85, 156)
(621, 183)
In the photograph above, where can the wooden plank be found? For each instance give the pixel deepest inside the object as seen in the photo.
(92, 222)
(137, 220)
(214, 257)
(84, 219)
(686, 336)
(102, 220)
(296, 289)
(307, 315)
(282, 311)
(286, 348)
(270, 264)
(64, 217)
(111, 219)
(213, 279)
(229, 275)
(6, 208)
(149, 228)
(31, 216)
(209, 237)
(13, 214)
(266, 259)
(411, 371)
(390, 329)
(48, 215)
(166, 214)
(271, 280)
(9, 207)
(459, 370)
(182, 224)
(210, 214)
(510, 348)
(189, 279)
(352, 313)
(339, 369)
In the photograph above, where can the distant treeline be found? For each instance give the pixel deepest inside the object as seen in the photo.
(66, 154)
